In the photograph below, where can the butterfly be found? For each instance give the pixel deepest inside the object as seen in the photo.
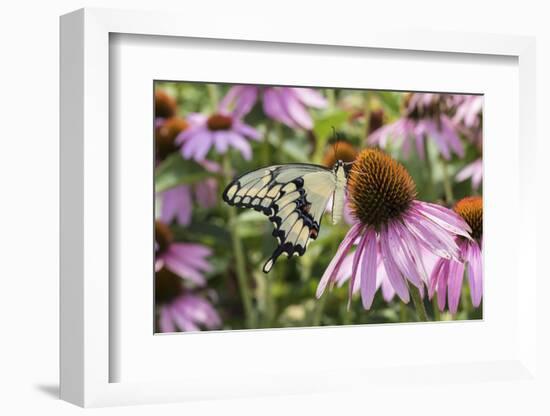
(294, 196)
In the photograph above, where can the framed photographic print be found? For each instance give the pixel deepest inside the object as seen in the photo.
(242, 217)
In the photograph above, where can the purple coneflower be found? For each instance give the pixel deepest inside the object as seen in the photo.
(393, 226)
(472, 170)
(187, 260)
(220, 130)
(180, 309)
(447, 274)
(382, 280)
(425, 116)
(468, 110)
(346, 269)
(287, 105)
(468, 118)
(177, 202)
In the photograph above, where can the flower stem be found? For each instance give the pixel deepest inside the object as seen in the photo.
(447, 183)
(437, 314)
(242, 278)
(402, 312)
(418, 304)
(318, 311)
(429, 168)
(213, 94)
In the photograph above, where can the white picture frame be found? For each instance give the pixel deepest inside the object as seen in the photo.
(87, 356)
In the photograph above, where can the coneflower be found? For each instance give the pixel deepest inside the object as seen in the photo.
(180, 309)
(288, 105)
(448, 274)
(186, 260)
(426, 116)
(220, 131)
(339, 150)
(393, 225)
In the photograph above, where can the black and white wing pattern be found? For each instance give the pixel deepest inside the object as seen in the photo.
(293, 196)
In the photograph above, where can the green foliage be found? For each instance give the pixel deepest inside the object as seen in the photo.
(175, 171)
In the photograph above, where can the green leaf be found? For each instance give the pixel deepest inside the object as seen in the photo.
(199, 231)
(322, 129)
(175, 170)
(391, 102)
(323, 124)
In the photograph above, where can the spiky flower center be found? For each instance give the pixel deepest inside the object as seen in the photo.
(380, 188)
(163, 236)
(165, 105)
(471, 209)
(167, 133)
(168, 286)
(339, 150)
(219, 122)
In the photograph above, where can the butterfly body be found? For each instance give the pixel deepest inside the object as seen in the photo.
(294, 197)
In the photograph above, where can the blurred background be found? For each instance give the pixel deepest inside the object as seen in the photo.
(209, 255)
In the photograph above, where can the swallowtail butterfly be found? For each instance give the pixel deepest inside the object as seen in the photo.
(294, 197)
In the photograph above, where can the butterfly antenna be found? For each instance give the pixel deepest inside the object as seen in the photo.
(335, 139)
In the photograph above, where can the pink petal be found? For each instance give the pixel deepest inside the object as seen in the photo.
(246, 130)
(189, 133)
(451, 136)
(196, 146)
(392, 270)
(296, 110)
(419, 139)
(410, 243)
(274, 108)
(197, 119)
(388, 291)
(431, 236)
(442, 285)
(179, 266)
(241, 144)
(475, 273)
(428, 127)
(176, 203)
(344, 271)
(194, 249)
(402, 257)
(368, 269)
(159, 264)
(206, 193)
(444, 217)
(220, 141)
(356, 258)
(165, 320)
(456, 274)
(310, 97)
(338, 258)
(434, 277)
(182, 321)
(240, 98)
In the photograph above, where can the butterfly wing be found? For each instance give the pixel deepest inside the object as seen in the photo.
(293, 196)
